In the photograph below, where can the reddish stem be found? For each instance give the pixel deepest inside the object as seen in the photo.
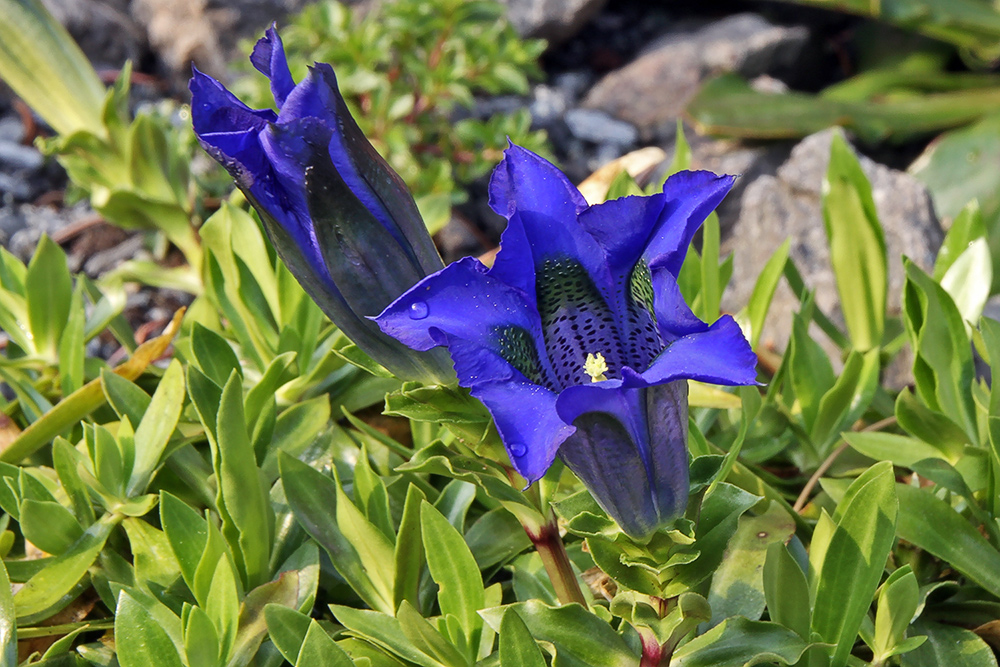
(652, 652)
(550, 547)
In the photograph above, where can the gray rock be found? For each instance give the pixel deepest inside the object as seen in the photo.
(40, 220)
(788, 205)
(15, 187)
(11, 129)
(554, 20)
(11, 221)
(652, 91)
(548, 104)
(573, 84)
(16, 156)
(600, 128)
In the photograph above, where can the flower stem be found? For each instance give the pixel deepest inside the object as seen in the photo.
(550, 547)
(653, 654)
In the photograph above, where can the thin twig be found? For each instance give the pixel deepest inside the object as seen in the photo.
(800, 502)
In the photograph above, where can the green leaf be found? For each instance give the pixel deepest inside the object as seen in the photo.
(899, 449)
(622, 185)
(460, 585)
(516, 644)
(965, 228)
(763, 291)
(898, 599)
(948, 645)
(152, 556)
(213, 354)
(933, 525)
(65, 459)
(292, 588)
(214, 551)
(54, 587)
(942, 365)
(44, 66)
(371, 497)
(241, 486)
(126, 398)
(573, 631)
(711, 286)
(201, 640)
(968, 281)
(71, 346)
(855, 558)
(809, 369)
(848, 399)
(287, 628)
(314, 499)
(495, 537)
(465, 416)
(382, 630)
(8, 628)
(426, 639)
(49, 292)
(786, 590)
(139, 638)
(318, 650)
(934, 428)
(737, 587)
(737, 642)
(857, 245)
(728, 105)
(409, 550)
(49, 526)
(186, 532)
(156, 427)
(223, 606)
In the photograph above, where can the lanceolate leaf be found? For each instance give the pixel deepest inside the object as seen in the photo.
(857, 245)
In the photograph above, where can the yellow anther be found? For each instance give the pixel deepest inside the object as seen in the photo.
(595, 367)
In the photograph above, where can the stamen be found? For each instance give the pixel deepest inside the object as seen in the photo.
(595, 367)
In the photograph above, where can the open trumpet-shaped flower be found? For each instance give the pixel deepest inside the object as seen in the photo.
(578, 339)
(340, 218)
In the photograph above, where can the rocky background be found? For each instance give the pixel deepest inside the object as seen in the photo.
(618, 77)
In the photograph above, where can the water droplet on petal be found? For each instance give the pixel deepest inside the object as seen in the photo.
(517, 449)
(419, 310)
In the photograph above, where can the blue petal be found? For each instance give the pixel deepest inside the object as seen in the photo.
(690, 197)
(541, 207)
(674, 317)
(622, 227)
(268, 58)
(719, 355)
(463, 303)
(215, 109)
(283, 194)
(380, 190)
(524, 413)
(630, 450)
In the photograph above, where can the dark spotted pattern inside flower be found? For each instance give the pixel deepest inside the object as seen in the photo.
(517, 347)
(576, 321)
(642, 338)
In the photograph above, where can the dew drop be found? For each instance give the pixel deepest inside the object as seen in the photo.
(517, 449)
(419, 310)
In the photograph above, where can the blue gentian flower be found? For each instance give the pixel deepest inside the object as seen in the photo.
(578, 339)
(340, 218)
